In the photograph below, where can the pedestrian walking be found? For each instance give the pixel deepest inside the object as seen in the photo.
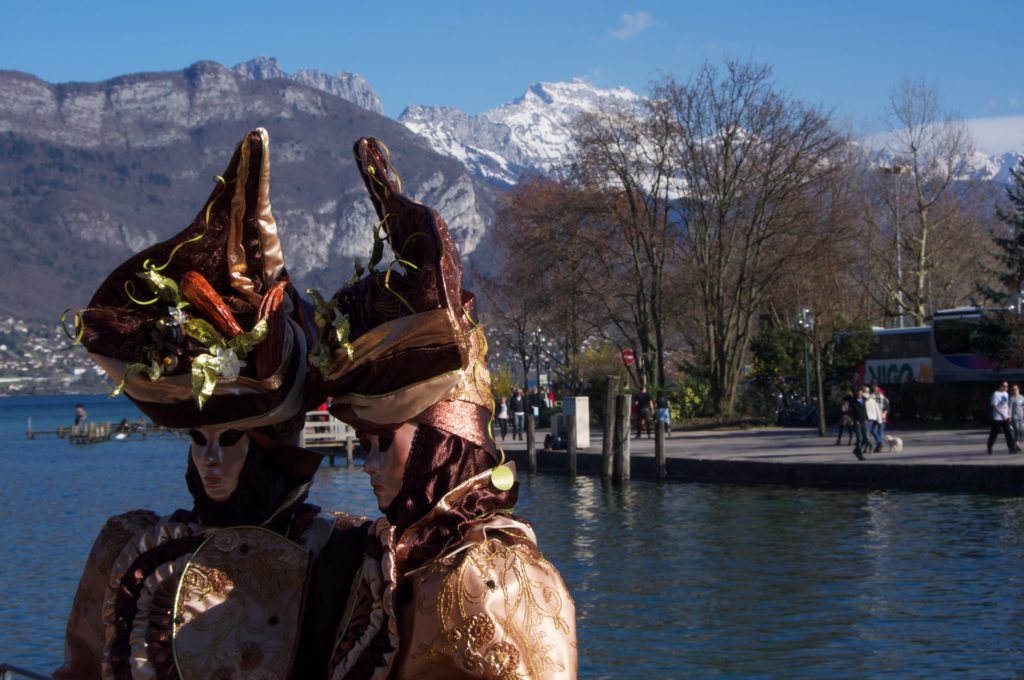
(1001, 418)
(860, 422)
(1017, 415)
(847, 410)
(874, 413)
(518, 407)
(502, 417)
(883, 405)
(643, 420)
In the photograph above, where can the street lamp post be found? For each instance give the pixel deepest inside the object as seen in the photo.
(805, 324)
(536, 355)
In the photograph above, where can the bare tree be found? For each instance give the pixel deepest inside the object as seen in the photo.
(754, 165)
(626, 160)
(932, 226)
(546, 232)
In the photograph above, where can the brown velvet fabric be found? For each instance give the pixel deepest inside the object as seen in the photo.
(439, 462)
(226, 408)
(115, 326)
(127, 598)
(416, 234)
(330, 580)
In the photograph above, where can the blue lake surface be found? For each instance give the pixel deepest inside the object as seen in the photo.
(672, 581)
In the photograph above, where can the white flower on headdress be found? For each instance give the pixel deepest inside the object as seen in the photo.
(177, 317)
(228, 363)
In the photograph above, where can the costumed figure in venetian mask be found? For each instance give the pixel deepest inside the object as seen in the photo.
(453, 585)
(205, 332)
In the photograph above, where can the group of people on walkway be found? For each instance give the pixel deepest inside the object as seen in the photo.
(642, 413)
(1007, 417)
(512, 410)
(252, 581)
(864, 413)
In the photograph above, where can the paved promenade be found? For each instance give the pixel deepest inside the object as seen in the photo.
(932, 460)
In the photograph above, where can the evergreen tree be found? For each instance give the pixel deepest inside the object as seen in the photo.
(1011, 247)
(1000, 334)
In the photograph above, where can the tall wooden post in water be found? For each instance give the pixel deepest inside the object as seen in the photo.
(659, 451)
(608, 445)
(622, 404)
(570, 447)
(531, 444)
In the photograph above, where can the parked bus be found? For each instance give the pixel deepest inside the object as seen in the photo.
(953, 356)
(900, 355)
(934, 370)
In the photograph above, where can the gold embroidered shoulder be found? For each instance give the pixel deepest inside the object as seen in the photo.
(492, 607)
(495, 608)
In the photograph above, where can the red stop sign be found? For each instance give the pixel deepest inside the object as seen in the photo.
(627, 357)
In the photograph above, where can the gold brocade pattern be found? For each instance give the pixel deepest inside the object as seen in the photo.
(501, 611)
(204, 582)
(475, 387)
(238, 606)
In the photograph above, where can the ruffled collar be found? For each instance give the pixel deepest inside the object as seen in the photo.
(401, 545)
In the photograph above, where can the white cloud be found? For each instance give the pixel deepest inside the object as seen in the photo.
(992, 136)
(633, 25)
(997, 135)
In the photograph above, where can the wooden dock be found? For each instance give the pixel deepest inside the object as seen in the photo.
(328, 436)
(95, 433)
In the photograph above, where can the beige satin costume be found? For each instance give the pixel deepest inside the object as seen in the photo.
(253, 582)
(490, 607)
(452, 585)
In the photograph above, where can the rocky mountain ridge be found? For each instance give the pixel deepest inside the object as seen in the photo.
(349, 86)
(90, 172)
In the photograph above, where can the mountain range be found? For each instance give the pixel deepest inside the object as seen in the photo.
(91, 172)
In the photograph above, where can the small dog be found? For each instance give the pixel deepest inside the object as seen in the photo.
(894, 443)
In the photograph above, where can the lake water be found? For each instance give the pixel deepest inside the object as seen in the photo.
(674, 581)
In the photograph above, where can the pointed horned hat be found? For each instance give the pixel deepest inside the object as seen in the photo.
(400, 343)
(206, 327)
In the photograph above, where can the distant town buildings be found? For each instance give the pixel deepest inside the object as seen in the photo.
(36, 359)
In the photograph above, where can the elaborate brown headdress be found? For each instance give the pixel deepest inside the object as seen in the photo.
(220, 336)
(400, 344)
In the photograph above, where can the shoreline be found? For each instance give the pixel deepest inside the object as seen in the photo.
(951, 461)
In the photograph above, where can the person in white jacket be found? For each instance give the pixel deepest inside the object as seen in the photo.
(874, 411)
(1001, 418)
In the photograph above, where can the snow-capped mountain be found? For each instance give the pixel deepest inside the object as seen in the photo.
(977, 166)
(529, 135)
(532, 134)
(996, 168)
(348, 86)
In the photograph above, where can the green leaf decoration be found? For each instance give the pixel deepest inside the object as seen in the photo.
(132, 370)
(153, 370)
(203, 331)
(321, 312)
(341, 327)
(244, 343)
(205, 369)
(377, 254)
(161, 286)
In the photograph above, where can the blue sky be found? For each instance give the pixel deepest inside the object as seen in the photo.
(845, 56)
